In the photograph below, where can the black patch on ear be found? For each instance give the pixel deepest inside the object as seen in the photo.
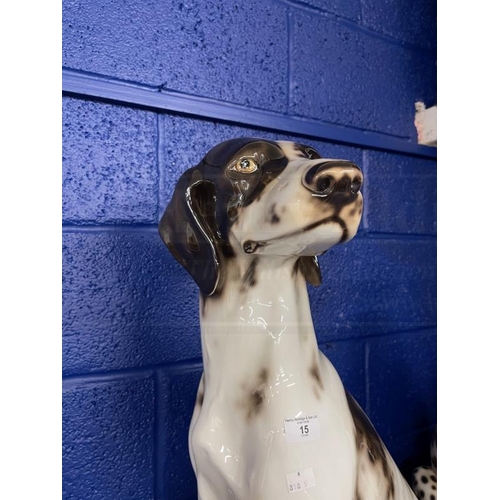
(309, 267)
(189, 230)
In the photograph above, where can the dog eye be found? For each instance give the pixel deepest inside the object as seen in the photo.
(312, 154)
(246, 165)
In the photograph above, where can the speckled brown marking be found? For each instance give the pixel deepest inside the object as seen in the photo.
(257, 396)
(390, 488)
(316, 393)
(199, 399)
(369, 442)
(249, 280)
(273, 216)
(263, 376)
(314, 371)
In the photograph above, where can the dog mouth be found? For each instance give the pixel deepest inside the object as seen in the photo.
(251, 246)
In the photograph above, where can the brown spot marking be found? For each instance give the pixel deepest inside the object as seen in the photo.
(390, 488)
(314, 371)
(273, 216)
(263, 375)
(199, 399)
(257, 396)
(201, 391)
(309, 267)
(368, 440)
(248, 280)
(316, 393)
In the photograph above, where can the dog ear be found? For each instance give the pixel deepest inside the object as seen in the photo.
(310, 269)
(189, 230)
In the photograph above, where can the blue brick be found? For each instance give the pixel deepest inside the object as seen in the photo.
(355, 79)
(108, 441)
(400, 193)
(411, 21)
(110, 171)
(229, 50)
(374, 286)
(127, 303)
(411, 450)
(187, 140)
(179, 390)
(402, 383)
(349, 9)
(348, 358)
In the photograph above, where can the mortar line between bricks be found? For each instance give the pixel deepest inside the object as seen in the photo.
(110, 228)
(312, 9)
(153, 227)
(386, 38)
(355, 25)
(367, 377)
(70, 381)
(159, 435)
(160, 158)
(85, 86)
(175, 367)
(290, 21)
(369, 235)
(425, 330)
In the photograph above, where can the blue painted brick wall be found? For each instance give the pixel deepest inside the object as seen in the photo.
(131, 349)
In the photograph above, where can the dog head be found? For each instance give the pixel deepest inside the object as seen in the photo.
(254, 196)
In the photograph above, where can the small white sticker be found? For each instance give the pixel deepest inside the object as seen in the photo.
(301, 429)
(302, 480)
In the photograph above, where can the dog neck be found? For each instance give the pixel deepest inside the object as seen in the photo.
(260, 324)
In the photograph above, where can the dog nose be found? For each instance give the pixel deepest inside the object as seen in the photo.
(327, 178)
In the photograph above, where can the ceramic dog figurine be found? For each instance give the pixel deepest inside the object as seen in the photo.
(272, 417)
(424, 480)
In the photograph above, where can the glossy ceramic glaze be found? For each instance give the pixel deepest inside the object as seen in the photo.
(272, 417)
